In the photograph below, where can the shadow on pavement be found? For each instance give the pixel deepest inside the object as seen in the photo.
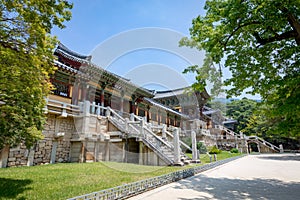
(282, 157)
(228, 189)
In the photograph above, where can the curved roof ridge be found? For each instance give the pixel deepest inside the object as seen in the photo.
(177, 89)
(73, 53)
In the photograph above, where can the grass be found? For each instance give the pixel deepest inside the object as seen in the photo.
(61, 181)
(223, 155)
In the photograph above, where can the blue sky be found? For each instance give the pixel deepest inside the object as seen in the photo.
(94, 21)
(124, 37)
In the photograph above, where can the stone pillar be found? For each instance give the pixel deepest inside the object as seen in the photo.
(258, 147)
(107, 151)
(176, 144)
(86, 118)
(30, 157)
(124, 152)
(53, 152)
(96, 150)
(195, 157)
(4, 156)
(141, 153)
(83, 152)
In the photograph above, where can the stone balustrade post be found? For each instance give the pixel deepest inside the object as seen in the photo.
(163, 132)
(131, 116)
(126, 125)
(94, 107)
(142, 124)
(107, 113)
(281, 148)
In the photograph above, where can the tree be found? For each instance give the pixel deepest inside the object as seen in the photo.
(217, 105)
(241, 110)
(259, 41)
(26, 59)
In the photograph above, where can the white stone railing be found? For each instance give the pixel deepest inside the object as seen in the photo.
(61, 108)
(128, 190)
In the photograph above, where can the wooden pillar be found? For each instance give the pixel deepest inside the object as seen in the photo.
(84, 92)
(168, 120)
(133, 104)
(147, 113)
(75, 95)
(175, 120)
(122, 101)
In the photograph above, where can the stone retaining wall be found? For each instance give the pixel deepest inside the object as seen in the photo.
(56, 130)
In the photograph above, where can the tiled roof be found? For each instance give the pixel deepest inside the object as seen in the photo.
(86, 60)
(177, 92)
(153, 102)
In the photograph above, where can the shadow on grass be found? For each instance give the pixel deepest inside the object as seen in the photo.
(204, 187)
(11, 188)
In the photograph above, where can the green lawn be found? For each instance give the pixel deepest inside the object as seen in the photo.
(61, 181)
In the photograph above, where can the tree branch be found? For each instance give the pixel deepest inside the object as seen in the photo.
(278, 37)
(238, 28)
(295, 24)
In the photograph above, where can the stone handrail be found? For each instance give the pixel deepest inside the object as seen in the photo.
(230, 132)
(158, 138)
(128, 190)
(181, 143)
(121, 122)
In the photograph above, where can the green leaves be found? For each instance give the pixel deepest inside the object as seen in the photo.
(259, 42)
(26, 59)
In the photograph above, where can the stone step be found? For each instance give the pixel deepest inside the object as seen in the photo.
(115, 133)
(115, 140)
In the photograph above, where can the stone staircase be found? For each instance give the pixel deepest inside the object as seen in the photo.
(264, 143)
(136, 127)
(250, 139)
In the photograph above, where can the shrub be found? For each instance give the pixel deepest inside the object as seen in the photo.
(201, 147)
(215, 150)
(234, 150)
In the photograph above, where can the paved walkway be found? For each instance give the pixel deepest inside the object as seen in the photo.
(270, 176)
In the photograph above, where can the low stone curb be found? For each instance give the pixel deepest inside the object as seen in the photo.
(135, 188)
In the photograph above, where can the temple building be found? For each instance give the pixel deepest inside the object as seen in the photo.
(95, 115)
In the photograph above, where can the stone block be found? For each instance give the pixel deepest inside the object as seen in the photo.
(11, 159)
(42, 145)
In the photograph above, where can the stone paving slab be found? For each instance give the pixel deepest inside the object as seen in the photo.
(267, 176)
